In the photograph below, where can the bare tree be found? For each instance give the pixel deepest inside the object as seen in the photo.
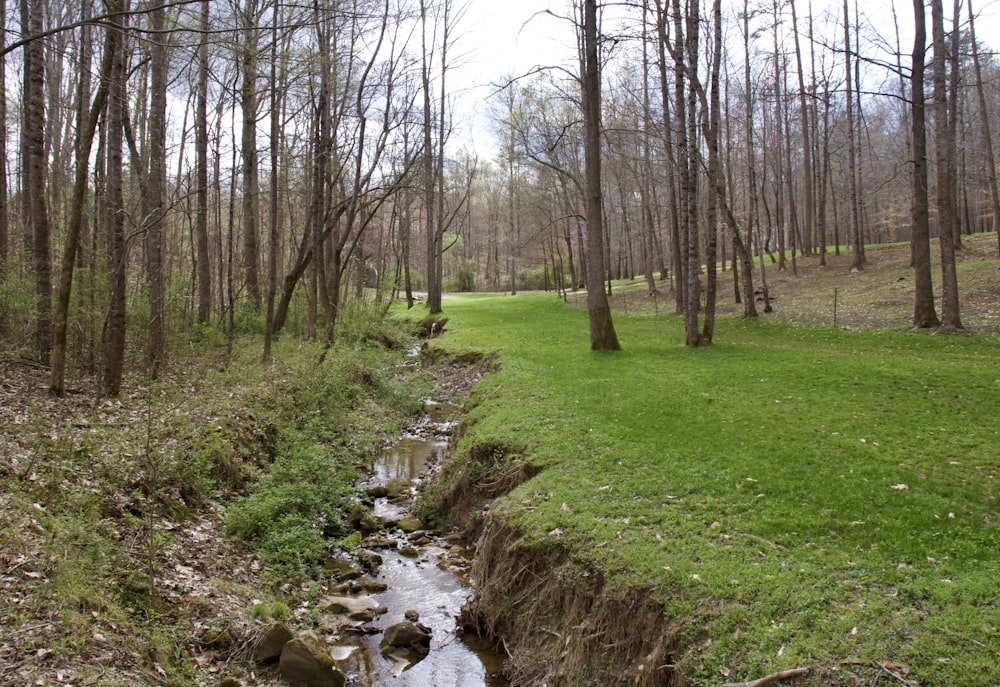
(203, 269)
(602, 330)
(273, 189)
(807, 162)
(156, 189)
(944, 152)
(249, 14)
(113, 335)
(35, 164)
(991, 164)
(857, 246)
(924, 314)
(4, 223)
(88, 121)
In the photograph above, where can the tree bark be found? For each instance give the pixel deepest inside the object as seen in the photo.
(274, 236)
(944, 152)
(602, 330)
(251, 179)
(113, 337)
(924, 313)
(715, 178)
(857, 256)
(807, 162)
(203, 268)
(4, 221)
(35, 164)
(157, 189)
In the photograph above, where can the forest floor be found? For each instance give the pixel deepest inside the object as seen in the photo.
(880, 295)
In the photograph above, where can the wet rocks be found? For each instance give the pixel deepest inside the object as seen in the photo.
(408, 636)
(359, 608)
(410, 524)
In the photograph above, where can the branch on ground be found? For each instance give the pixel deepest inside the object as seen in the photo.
(770, 679)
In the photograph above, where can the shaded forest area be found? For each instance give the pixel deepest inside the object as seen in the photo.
(198, 168)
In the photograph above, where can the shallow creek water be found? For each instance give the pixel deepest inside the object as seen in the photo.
(420, 584)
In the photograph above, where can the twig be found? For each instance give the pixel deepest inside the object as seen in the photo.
(770, 679)
(891, 673)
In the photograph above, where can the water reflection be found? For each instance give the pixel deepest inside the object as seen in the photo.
(435, 593)
(409, 458)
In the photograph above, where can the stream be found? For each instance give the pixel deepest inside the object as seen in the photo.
(432, 584)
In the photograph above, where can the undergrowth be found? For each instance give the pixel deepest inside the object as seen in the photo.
(111, 562)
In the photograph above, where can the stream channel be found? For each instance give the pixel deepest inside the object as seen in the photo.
(432, 583)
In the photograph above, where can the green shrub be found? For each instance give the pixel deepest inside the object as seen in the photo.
(301, 496)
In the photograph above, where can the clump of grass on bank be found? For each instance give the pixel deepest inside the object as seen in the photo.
(792, 495)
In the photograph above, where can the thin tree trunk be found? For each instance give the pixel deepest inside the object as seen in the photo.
(203, 268)
(955, 77)
(950, 319)
(157, 189)
(57, 374)
(4, 200)
(857, 257)
(273, 242)
(991, 165)
(35, 164)
(746, 258)
(807, 162)
(715, 179)
(251, 180)
(924, 314)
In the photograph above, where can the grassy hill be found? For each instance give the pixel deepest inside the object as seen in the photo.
(794, 496)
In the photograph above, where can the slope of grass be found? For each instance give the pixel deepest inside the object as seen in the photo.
(798, 495)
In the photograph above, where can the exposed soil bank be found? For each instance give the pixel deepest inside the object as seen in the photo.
(578, 634)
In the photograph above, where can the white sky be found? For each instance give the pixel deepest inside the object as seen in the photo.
(510, 37)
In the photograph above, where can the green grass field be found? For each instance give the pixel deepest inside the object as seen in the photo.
(798, 495)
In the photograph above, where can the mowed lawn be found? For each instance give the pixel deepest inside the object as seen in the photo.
(793, 495)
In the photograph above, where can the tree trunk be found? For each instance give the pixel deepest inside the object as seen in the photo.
(274, 237)
(251, 180)
(602, 331)
(924, 314)
(428, 171)
(857, 256)
(944, 145)
(807, 161)
(157, 189)
(991, 164)
(35, 165)
(57, 374)
(203, 268)
(114, 326)
(715, 178)
(4, 222)
(746, 257)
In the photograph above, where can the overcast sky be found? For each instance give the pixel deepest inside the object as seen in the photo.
(510, 37)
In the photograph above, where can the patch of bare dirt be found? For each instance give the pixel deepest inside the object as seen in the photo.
(880, 295)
